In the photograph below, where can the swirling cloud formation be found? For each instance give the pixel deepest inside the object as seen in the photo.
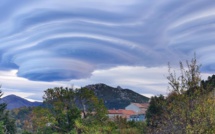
(59, 40)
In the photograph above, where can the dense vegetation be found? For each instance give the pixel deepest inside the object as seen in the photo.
(70, 111)
(188, 108)
(7, 125)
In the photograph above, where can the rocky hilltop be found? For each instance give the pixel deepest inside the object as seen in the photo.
(116, 98)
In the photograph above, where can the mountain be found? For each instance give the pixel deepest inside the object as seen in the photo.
(14, 101)
(116, 98)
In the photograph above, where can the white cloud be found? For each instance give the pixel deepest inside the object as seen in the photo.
(140, 79)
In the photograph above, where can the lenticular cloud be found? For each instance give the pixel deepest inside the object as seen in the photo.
(58, 40)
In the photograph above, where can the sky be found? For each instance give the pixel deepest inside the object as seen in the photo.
(127, 43)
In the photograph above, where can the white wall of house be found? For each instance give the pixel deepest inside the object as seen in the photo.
(113, 115)
(133, 107)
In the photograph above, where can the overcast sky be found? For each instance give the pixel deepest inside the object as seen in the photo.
(48, 43)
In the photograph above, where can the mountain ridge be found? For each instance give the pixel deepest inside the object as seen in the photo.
(14, 101)
(116, 98)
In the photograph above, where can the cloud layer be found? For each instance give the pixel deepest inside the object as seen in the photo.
(59, 40)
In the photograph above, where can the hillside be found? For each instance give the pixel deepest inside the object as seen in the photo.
(116, 98)
(14, 101)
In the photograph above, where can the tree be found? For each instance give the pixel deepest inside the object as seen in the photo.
(63, 110)
(66, 107)
(94, 112)
(41, 118)
(61, 103)
(209, 84)
(155, 110)
(90, 105)
(85, 99)
(188, 108)
(1, 127)
(6, 122)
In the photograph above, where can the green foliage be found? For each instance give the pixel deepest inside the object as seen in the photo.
(154, 112)
(61, 113)
(86, 99)
(89, 128)
(209, 84)
(1, 128)
(63, 110)
(94, 113)
(61, 104)
(93, 109)
(7, 123)
(26, 132)
(129, 127)
(22, 118)
(40, 118)
(189, 107)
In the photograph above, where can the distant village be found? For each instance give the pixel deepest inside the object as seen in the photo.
(133, 112)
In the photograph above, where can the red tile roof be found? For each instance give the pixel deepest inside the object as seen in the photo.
(121, 111)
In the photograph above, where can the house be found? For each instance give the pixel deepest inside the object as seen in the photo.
(137, 107)
(137, 117)
(120, 113)
(140, 111)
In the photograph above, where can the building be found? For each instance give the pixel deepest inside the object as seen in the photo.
(138, 107)
(112, 114)
(137, 117)
(140, 111)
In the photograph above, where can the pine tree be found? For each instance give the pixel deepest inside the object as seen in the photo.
(6, 123)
